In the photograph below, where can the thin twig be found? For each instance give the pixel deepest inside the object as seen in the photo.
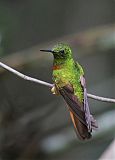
(100, 98)
(24, 76)
(49, 84)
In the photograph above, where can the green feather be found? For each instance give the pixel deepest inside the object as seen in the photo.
(69, 72)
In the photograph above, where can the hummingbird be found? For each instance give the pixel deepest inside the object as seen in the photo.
(69, 82)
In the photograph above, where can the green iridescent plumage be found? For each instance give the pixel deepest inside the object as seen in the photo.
(69, 71)
(69, 81)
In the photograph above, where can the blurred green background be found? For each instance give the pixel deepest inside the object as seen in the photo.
(34, 124)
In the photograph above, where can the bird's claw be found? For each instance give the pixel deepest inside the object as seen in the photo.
(54, 90)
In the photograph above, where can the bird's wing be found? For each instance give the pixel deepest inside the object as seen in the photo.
(76, 112)
(91, 122)
(75, 106)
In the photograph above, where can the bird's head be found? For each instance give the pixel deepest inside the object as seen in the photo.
(60, 51)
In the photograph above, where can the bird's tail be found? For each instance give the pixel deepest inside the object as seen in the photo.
(81, 129)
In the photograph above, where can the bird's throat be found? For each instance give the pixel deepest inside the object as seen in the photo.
(57, 64)
(56, 67)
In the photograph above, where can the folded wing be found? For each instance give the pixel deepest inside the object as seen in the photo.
(76, 112)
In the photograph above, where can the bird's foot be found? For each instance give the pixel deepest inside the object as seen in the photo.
(54, 90)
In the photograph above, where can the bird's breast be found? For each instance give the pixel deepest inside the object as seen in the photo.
(62, 76)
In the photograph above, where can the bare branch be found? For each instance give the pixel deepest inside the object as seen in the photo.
(49, 84)
(24, 76)
(101, 98)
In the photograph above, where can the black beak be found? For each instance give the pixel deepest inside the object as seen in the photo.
(47, 50)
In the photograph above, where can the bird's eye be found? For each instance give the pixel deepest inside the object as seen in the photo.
(62, 51)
